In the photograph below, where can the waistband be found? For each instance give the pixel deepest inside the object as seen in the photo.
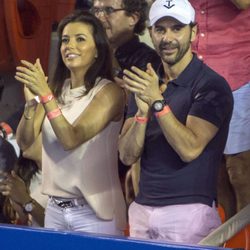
(68, 202)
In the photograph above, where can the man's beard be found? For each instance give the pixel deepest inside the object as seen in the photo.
(175, 57)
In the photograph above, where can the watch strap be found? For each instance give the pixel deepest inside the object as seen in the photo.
(30, 202)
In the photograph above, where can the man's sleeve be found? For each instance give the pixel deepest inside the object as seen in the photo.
(213, 102)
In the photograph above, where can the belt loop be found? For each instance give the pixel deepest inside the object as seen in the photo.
(76, 202)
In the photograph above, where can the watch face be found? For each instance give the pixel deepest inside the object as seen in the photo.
(28, 207)
(158, 106)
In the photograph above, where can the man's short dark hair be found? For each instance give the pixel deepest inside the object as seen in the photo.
(140, 7)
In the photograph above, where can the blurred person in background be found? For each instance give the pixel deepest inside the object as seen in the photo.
(8, 159)
(223, 43)
(25, 202)
(124, 21)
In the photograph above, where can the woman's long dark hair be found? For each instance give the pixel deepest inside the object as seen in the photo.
(24, 168)
(102, 67)
(8, 160)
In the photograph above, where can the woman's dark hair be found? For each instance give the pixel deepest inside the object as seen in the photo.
(140, 7)
(25, 169)
(8, 157)
(102, 67)
(8, 160)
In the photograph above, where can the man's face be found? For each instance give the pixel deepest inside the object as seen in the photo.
(172, 40)
(114, 19)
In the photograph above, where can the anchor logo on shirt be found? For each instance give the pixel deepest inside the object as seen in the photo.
(169, 6)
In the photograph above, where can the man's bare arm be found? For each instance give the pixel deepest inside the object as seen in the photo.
(241, 4)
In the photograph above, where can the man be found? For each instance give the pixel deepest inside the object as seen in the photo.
(224, 44)
(124, 21)
(179, 129)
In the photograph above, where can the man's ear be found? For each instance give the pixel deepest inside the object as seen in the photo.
(134, 18)
(194, 31)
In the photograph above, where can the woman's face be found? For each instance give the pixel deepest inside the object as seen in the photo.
(78, 47)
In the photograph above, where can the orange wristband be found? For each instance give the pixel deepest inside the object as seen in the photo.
(19, 222)
(141, 119)
(46, 98)
(165, 110)
(54, 113)
(6, 127)
(5, 130)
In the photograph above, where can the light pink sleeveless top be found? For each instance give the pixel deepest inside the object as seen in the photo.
(90, 170)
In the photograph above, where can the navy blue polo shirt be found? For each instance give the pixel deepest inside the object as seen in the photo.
(165, 179)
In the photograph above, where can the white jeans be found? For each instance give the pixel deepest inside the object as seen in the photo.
(78, 218)
(188, 223)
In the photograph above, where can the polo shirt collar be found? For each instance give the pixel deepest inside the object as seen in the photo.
(187, 76)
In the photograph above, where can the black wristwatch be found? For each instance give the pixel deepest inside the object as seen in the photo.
(158, 105)
(28, 207)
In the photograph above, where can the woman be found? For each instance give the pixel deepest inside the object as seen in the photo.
(24, 203)
(8, 159)
(80, 115)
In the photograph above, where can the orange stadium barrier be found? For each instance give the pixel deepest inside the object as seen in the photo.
(221, 212)
(6, 59)
(28, 26)
(240, 240)
(62, 8)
